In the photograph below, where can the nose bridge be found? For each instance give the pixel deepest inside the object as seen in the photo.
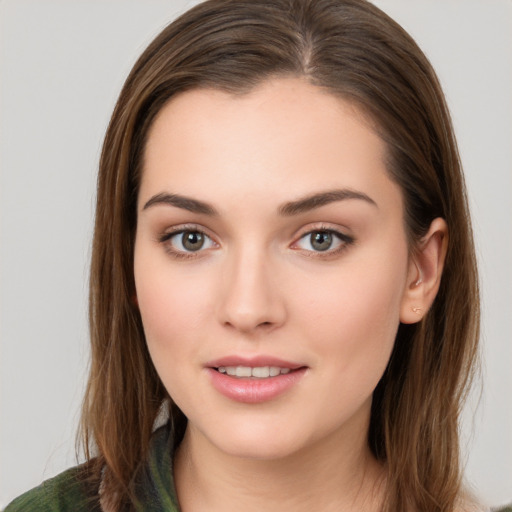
(251, 297)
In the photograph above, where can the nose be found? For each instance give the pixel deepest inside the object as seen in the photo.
(251, 299)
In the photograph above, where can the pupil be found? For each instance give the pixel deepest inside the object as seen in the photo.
(321, 241)
(193, 241)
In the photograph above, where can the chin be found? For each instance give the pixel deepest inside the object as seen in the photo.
(260, 441)
(258, 448)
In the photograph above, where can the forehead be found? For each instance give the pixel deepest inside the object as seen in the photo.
(284, 138)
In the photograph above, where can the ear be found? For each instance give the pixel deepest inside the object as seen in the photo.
(424, 273)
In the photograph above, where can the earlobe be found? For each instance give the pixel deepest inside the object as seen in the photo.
(425, 271)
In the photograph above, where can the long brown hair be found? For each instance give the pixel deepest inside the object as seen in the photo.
(355, 51)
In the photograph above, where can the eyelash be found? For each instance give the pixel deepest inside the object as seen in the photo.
(166, 238)
(343, 240)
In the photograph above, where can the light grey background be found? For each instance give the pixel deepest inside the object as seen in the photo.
(62, 64)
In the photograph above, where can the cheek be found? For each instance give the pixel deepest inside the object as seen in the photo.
(169, 314)
(173, 312)
(172, 299)
(354, 316)
(173, 308)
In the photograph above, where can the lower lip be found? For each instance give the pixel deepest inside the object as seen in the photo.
(253, 390)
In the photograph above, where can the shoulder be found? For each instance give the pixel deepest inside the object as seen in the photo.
(67, 491)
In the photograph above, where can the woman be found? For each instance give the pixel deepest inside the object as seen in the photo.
(283, 259)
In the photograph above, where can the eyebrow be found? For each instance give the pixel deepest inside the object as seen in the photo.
(185, 203)
(321, 199)
(297, 207)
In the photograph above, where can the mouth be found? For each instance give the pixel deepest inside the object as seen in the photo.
(254, 380)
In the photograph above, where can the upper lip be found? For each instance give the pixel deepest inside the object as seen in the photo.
(253, 362)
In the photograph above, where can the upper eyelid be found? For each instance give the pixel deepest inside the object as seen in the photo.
(322, 226)
(180, 228)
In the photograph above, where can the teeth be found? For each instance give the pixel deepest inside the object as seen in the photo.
(274, 371)
(260, 372)
(243, 371)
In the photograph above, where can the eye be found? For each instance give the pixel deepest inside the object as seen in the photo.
(187, 241)
(323, 240)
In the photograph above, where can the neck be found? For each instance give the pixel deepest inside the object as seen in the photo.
(336, 473)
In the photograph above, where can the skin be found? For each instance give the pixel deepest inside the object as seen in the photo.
(259, 286)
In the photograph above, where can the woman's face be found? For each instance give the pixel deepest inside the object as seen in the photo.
(270, 245)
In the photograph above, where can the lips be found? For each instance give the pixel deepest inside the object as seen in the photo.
(254, 380)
